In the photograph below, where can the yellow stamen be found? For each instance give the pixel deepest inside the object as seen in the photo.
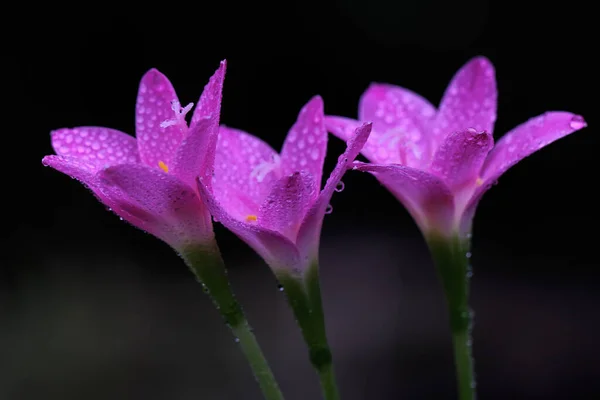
(251, 218)
(479, 181)
(163, 166)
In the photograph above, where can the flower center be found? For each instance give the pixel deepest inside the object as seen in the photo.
(180, 113)
(264, 168)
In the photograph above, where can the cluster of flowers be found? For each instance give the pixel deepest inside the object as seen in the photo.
(173, 177)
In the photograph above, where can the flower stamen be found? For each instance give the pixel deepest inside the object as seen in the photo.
(251, 218)
(264, 168)
(479, 181)
(163, 166)
(180, 113)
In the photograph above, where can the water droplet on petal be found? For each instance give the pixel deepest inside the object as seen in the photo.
(339, 187)
(329, 209)
(577, 122)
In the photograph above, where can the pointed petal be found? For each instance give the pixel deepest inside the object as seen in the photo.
(519, 143)
(210, 100)
(470, 100)
(285, 207)
(245, 170)
(397, 112)
(273, 247)
(425, 196)
(382, 147)
(171, 209)
(155, 99)
(529, 137)
(310, 230)
(85, 173)
(460, 156)
(306, 143)
(196, 153)
(96, 146)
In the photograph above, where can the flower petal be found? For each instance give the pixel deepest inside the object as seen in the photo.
(196, 153)
(155, 102)
(85, 173)
(469, 101)
(384, 148)
(527, 138)
(210, 100)
(460, 156)
(306, 143)
(95, 146)
(274, 248)
(245, 169)
(517, 144)
(310, 230)
(425, 196)
(285, 207)
(172, 210)
(397, 113)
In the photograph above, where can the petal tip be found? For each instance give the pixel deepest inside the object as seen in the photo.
(316, 101)
(577, 122)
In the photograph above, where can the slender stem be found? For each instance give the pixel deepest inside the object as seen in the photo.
(304, 296)
(451, 258)
(208, 266)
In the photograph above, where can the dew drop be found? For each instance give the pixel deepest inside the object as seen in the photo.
(577, 122)
(468, 254)
(237, 339)
(329, 209)
(340, 186)
(280, 287)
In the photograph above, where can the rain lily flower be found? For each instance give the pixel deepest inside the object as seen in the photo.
(273, 202)
(150, 182)
(439, 163)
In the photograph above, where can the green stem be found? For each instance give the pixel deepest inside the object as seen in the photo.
(208, 266)
(304, 296)
(452, 263)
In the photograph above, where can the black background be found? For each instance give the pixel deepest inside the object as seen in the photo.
(93, 308)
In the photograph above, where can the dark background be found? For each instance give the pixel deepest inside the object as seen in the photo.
(91, 308)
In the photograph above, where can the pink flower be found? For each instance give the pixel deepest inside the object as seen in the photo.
(273, 201)
(149, 181)
(439, 162)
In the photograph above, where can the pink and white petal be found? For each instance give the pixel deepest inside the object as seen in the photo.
(96, 146)
(210, 100)
(155, 102)
(527, 138)
(397, 112)
(460, 156)
(245, 165)
(284, 208)
(310, 229)
(172, 210)
(274, 248)
(425, 196)
(470, 101)
(196, 153)
(85, 173)
(306, 143)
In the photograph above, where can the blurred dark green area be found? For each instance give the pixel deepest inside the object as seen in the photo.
(91, 308)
